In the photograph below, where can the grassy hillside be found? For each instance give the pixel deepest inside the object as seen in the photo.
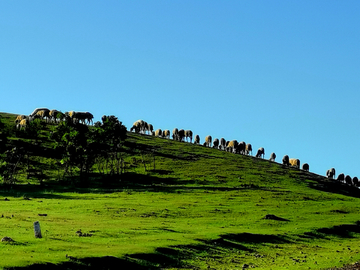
(178, 206)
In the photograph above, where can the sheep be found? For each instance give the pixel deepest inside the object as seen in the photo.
(333, 171)
(166, 134)
(151, 128)
(348, 180)
(355, 181)
(81, 117)
(42, 114)
(136, 127)
(341, 177)
(22, 124)
(158, 132)
(272, 157)
(232, 145)
(175, 134)
(285, 160)
(208, 140)
(305, 167)
(222, 144)
(330, 173)
(295, 162)
(240, 149)
(248, 149)
(197, 139)
(189, 134)
(55, 115)
(181, 135)
(260, 152)
(216, 143)
(19, 118)
(38, 109)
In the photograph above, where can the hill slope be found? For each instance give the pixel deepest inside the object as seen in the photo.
(179, 205)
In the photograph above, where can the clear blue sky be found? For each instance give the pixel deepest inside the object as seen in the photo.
(283, 75)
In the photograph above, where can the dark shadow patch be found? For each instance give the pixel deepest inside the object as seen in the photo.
(102, 263)
(273, 217)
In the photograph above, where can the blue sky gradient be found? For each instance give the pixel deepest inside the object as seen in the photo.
(283, 75)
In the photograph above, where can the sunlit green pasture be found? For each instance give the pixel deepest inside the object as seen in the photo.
(180, 206)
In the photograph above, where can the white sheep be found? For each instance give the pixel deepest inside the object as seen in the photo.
(22, 124)
(260, 152)
(166, 134)
(19, 118)
(222, 144)
(248, 149)
(272, 156)
(158, 132)
(175, 134)
(188, 134)
(295, 162)
(216, 143)
(208, 141)
(232, 145)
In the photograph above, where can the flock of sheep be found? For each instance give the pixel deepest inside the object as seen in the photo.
(140, 126)
(233, 146)
(54, 116)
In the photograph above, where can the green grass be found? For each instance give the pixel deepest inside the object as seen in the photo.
(200, 208)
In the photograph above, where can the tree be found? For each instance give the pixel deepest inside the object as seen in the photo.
(107, 140)
(72, 140)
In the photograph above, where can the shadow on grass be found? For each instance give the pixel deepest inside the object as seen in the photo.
(334, 186)
(341, 231)
(101, 263)
(178, 256)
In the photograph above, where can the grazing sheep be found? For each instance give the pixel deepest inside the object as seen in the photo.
(158, 132)
(295, 162)
(330, 173)
(22, 124)
(166, 134)
(355, 181)
(82, 117)
(208, 140)
(38, 109)
(260, 152)
(305, 167)
(216, 143)
(222, 144)
(197, 139)
(136, 127)
(341, 177)
(248, 149)
(42, 114)
(348, 180)
(181, 135)
(150, 128)
(285, 160)
(188, 134)
(19, 118)
(56, 116)
(272, 156)
(231, 146)
(175, 134)
(240, 149)
(333, 171)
